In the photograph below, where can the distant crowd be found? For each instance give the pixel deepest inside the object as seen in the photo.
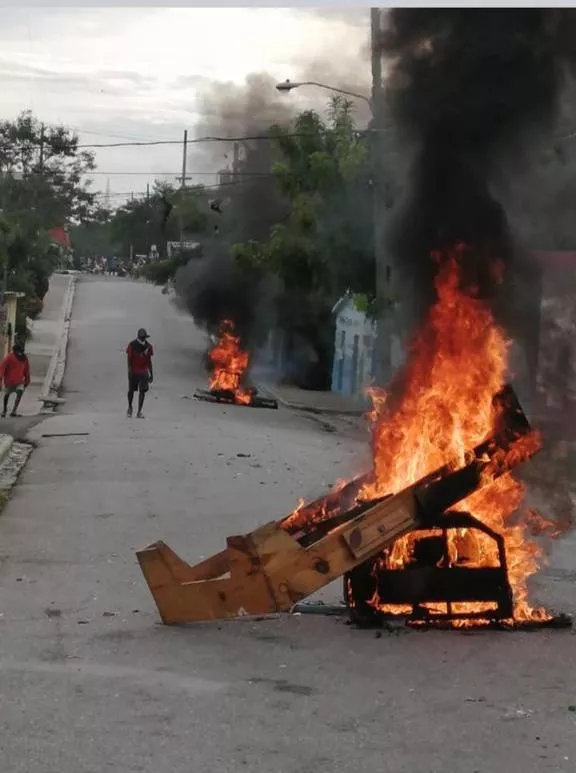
(112, 266)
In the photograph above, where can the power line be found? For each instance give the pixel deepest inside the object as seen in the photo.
(157, 143)
(244, 138)
(153, 172)
(292, 135)
(571, 134)
(105, 193)
(185, 191)
(149, 143)
(79, 130)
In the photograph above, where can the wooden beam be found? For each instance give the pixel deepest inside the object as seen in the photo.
(279, 564)
(268, 571)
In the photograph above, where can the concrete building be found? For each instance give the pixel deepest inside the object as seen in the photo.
(354, 349)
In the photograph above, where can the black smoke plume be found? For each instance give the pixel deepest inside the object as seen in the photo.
(212, 288)
(249, 201)
(469, 87)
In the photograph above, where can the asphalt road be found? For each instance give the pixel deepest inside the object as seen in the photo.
(91, 682)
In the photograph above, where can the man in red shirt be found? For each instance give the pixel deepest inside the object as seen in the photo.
(140, 373)
(15, 377)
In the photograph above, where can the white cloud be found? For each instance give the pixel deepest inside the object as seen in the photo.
(139, 72)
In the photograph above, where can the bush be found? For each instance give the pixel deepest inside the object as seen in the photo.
(160, 271)
(33, 306)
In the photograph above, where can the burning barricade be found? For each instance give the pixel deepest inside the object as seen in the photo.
(434, 532)
(229, 365)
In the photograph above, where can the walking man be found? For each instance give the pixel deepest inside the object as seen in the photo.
(140, 373)
(14, 376)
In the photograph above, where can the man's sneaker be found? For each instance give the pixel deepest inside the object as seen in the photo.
(3, 414)
(129, 413)
(140, 416)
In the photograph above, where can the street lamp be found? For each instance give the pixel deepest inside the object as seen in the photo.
(288, 85)
(383, 271)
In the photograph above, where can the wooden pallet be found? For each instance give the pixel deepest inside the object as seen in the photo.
(267, 570)
(279, 564)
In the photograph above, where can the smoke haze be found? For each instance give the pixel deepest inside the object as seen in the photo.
(212, 288)
(468, 87)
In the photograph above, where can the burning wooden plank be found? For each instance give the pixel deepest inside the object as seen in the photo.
(229, 367)
(267, 570)
(281, 563)
(228, 397)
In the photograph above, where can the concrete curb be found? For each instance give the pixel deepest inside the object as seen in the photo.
(55, 374)
(358, 412)
(6, 443)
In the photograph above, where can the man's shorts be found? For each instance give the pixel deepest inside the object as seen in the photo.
(138, 382)
(14, 390)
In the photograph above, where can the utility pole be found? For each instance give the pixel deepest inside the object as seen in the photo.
(393, 322)
(383, 348)
(131, 233)
(148, 220)
(4, 269)
(182, 188)
(42, 138)
(107, 196)
(184, 158)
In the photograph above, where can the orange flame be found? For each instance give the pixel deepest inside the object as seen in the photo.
(229, 363)
(443, 409)
(457, 364)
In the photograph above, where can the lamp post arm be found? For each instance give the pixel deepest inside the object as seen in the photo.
(337, 90)
(289, 85)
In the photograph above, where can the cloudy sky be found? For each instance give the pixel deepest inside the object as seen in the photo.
(123, 74)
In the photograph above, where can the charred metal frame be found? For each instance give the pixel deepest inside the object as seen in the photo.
(227, 397)
(432, 579)
(279, 564)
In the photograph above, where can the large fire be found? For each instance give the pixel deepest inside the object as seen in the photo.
(229, 365)
(456, 364)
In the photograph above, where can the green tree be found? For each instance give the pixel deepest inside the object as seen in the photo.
(45, 170)
(156, 219)
(324, 246)
(325, 175)
(92, 238)
(43, 185)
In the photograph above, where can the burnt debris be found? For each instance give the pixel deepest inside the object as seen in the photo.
(229, 397)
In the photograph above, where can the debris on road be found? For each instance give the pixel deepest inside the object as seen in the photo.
(230, 365)
(230, 398)
(279, 564)
(65, 434)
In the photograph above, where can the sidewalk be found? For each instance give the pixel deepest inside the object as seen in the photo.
(328, 403)
(42, 343)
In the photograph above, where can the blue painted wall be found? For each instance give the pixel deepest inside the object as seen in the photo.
(354, 347)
